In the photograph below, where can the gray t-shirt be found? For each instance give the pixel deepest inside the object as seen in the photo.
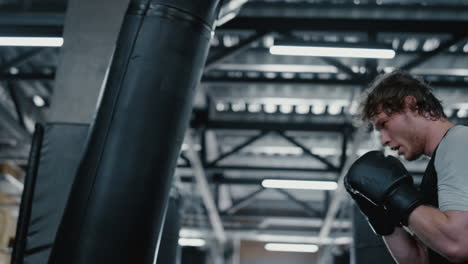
(451, 164)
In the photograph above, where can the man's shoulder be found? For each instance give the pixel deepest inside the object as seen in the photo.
(454, 144)
(459, 130)
(455, 134)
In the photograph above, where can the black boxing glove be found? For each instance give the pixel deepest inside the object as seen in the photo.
(381, 222)
(385, 182)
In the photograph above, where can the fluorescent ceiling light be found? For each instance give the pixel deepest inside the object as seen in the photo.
(307, 248)
(191, 242)
(266, 237)
(275, 150)
(298, 101)
(295, 184)
(377, 53)
(435, 71)
(441, 71)
(32, 41)
(300, 222)
(299, 68)
(291, 150)
(38, 101)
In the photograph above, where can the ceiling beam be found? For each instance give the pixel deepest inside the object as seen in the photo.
(20, 59)
(31, 30)
(315, 81)
(27, 77)
(25, 18)
(242, 202)
(425, 57)
(281, 24)
(245, 180)
(204, 189)
(10, 124)
(312, 123)
(226, 53)
(307, 151)
(261, 168)
(270, 236)
(359, 10)
(307, 209)
(238, 147)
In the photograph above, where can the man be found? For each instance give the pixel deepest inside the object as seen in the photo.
(426, 225)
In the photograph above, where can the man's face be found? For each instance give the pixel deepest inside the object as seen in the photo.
(399, 131)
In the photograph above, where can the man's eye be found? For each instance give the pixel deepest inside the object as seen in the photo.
(383, 124)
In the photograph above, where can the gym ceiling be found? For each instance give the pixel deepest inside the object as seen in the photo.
(260, 116)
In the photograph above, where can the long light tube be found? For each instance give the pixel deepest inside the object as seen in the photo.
(285, 247)
(31, 41)
(191, 242)
(377, 53)
(296, 184)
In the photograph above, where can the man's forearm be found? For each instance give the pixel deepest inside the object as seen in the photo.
(405, 249)
(444, 232)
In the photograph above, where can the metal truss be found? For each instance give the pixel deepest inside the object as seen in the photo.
(232, 51)
(352, 82)
(21, 58)
(237, 148)
(242, 202)
(13, 91)
(425, 57)
(282, 24)
(202, 121)
(306, 150)
(307, 209)
(212, 166)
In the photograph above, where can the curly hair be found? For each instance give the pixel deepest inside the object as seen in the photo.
(388, 92)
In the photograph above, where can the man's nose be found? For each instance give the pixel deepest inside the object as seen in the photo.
(384, 138)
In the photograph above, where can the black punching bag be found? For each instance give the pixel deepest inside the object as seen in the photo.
(193, 255)
(168, 252)
(115, 211)
(368, 248)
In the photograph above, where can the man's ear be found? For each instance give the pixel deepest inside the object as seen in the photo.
(410, 103)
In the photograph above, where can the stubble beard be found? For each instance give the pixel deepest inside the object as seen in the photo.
(417, 146)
